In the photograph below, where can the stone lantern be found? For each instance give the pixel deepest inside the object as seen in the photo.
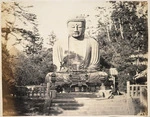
(114, 74)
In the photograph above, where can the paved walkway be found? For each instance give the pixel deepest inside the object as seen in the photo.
(98, 106)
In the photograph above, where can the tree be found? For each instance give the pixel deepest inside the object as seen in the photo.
(51, 38)
(16, 21)
(8, 79)
(32, 71)
(120, 35)
(131, 34)
(19, 23)
(134, 31)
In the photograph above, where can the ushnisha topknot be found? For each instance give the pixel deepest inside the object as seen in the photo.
(77, 20)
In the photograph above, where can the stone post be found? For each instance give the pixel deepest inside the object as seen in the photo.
(128, 89)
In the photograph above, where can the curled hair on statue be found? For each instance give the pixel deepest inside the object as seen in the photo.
(77, 20)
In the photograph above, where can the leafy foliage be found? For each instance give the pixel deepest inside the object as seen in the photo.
(21, 68)
(29, 70)
(24, 23)
(8, 79)
(51, 38)
(122, 31)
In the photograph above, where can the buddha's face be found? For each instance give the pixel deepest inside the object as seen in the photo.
(76, 29)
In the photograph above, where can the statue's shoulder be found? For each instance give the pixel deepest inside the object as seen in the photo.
(91, 40)
(61, 42)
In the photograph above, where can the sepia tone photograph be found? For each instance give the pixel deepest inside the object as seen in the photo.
(74, 58)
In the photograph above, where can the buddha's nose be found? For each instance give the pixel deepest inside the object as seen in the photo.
(76, 28)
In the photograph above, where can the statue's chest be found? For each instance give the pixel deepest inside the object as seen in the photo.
(78, 48)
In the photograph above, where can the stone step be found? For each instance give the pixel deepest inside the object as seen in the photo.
(70, 100)
(89, 112)
(54, 113)
(73, 103)
(66, 104)
(76, 94)
(79, 93)
(110, 106)
(64, 107)
(71, 106)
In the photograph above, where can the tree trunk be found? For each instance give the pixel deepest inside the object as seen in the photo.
(121, 29)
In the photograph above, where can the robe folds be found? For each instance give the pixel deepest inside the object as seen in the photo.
(76, 54)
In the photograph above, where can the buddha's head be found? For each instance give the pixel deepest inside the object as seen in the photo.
(76, 28)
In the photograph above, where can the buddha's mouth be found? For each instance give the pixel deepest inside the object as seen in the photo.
(76, 33)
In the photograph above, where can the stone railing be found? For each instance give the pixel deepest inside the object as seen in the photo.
(135, 90)
(35, 91)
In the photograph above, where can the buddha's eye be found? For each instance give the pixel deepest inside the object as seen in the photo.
(79, 26)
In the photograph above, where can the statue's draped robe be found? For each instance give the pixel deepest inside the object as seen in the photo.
(83, 52)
